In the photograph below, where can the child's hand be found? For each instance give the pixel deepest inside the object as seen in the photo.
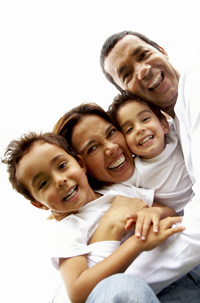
(143, 220)
(166, 230)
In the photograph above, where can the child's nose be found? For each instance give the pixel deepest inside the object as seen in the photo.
(60, 182)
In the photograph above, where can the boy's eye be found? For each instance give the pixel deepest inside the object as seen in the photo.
(62, 165)
(42, 184)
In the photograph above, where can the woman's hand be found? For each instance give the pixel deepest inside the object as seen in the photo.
(112, 225)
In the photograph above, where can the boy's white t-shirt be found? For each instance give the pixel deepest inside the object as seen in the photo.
(166, 174)
(74, 231)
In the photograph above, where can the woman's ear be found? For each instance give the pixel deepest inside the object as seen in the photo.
(82, 164)
(39, 205)
(163, 51)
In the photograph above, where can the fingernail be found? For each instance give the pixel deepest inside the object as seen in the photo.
(143, 238)
(138, 235)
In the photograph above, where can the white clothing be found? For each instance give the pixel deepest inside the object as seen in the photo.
(75, 231)
(166, 174)
(180, 253)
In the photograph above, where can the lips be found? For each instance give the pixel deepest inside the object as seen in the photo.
(118, 164)
(145, 140)
(156, 82)
(71, 193)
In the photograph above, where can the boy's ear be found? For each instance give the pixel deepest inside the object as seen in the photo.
(163, 51)
(82, 164)
(165, 125)
(39, 205)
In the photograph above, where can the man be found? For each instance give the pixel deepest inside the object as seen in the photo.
(134, 63)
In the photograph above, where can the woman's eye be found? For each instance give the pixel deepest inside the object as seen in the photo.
(62, 165)
(111, 132)
(42, 184)
(91, 149)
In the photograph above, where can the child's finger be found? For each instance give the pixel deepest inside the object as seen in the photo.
(156, 224)
(139, 226)
(145, 228)
(129, 224)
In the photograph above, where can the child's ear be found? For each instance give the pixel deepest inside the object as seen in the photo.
(165, 125)
(39, 205)
(82, 164)
(164, 52)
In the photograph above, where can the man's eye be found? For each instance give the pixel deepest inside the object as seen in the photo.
(126, 75)
(143, 54)
(42, 184)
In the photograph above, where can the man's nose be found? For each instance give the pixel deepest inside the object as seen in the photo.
(142, 71)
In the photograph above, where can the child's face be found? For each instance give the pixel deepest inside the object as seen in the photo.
(54, 178)
(143, 131)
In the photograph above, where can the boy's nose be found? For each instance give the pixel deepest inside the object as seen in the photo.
(60, 182)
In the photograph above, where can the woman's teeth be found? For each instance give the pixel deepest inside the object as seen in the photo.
(70, 193)
(118, 163)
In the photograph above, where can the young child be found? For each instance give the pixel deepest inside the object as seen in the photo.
(159, 162)
(48, 173)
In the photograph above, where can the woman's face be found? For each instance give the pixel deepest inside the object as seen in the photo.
(103, 148)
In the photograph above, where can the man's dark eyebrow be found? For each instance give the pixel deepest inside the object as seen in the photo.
(41, 173)
(134, 53)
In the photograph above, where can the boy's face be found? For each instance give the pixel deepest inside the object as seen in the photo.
(54, 178)
(143, 130)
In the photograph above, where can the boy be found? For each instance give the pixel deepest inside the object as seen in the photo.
(48, 173)
(159, 162)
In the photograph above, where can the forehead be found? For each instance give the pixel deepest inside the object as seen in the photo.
(126, 47)
(37, 159)
(133, 107)
(90, 127)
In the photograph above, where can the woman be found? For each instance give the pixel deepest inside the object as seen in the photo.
(89, 130)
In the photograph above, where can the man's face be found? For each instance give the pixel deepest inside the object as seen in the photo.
(139, 68)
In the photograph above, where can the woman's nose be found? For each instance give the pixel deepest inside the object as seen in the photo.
(110, 148)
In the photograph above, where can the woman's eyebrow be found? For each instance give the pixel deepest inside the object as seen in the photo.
(87, 145)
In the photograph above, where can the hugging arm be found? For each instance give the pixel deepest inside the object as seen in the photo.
(79, 280)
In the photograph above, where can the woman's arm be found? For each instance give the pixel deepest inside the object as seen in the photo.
(79, 280)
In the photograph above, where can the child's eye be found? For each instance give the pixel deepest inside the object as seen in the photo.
(146, 119)
(128, 130)
(42, 184)
(62, 165)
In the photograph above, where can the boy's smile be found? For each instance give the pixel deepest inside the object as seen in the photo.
(54, 178)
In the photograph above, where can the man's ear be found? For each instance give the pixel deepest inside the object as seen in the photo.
(165, 125)
(163, 51)
(39, 205)
(82, 164)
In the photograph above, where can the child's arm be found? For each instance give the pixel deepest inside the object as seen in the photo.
(79, 280)
(145, 217)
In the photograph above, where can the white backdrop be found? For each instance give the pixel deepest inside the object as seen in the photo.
(49, 62)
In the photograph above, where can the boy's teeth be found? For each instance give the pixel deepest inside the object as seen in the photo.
(119, 162)
(70, 194)
(146, 139)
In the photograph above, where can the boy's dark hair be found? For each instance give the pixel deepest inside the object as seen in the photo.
(111, 42)
(127, 97)
(17, 149)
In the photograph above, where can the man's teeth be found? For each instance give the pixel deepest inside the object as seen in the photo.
(118, 163)
(146, 140)
(70, 194)
(153, 86)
